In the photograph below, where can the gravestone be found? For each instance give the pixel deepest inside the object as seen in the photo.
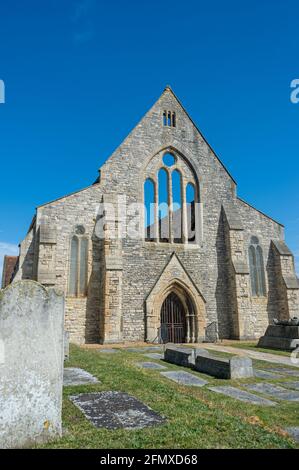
(184, 378)
(294, 385)
(285, 371)
(275, 391)
(241, 395)
(154, 355)
(222, 368)
(283, 337)
(293, 431)
(108, 351)
(182, 356)
(264, 374)
(31, 366)
(114, 410)
(150, 365)
(77, 376)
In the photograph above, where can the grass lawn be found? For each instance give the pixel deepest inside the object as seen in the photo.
(196, 417)
(253, 346)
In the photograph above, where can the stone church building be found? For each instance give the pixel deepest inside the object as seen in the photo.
(212, 267)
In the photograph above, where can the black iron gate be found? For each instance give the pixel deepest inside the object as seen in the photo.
(172, 320)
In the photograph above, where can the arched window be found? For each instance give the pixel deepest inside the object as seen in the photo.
(190, 200)
(149, 205)
(163, 209)
(257, 269)
(78, 263)
(171, 195)
(176, 206)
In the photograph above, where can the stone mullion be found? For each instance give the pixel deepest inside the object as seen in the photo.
(188, 336)
(78, 266)
(198, 216)
(156, 210)
(184, 220)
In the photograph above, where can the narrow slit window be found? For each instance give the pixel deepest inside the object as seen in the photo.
(173, 120)
(165, 118)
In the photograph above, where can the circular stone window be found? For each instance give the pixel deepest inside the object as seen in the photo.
(80, 230)
(168, 159)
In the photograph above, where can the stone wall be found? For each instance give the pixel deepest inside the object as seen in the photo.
(31, 364)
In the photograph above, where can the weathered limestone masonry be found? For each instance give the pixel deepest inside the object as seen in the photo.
(31, 364)
(287, 285)
(238, 274)
(46, 273)
(129, 280)
(111, 327)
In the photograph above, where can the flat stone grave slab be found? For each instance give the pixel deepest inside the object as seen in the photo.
(264, 374)
(293, 431)
(108, 351)
(144, 350)
(76, 376)
(294, 385)
(154, 355)
(241, 395)
(114, 410)
(184, 378)
(135, 350)
(285, 371)
(150, 365)
(274, 390)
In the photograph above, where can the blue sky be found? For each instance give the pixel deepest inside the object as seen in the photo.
(80, 74)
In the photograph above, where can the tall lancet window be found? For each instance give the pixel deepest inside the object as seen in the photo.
(257, 269)
(163, 209)
(78, 266)
(149, 206)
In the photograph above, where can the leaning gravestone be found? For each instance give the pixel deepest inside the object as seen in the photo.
(31, 364)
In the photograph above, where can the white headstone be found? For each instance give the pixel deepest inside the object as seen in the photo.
(31, 369)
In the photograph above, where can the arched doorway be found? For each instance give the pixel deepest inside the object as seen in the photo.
(176, 280)
(173, 320)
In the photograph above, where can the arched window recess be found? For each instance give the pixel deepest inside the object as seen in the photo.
(78, 266)
(257, 268)
(171, 195)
